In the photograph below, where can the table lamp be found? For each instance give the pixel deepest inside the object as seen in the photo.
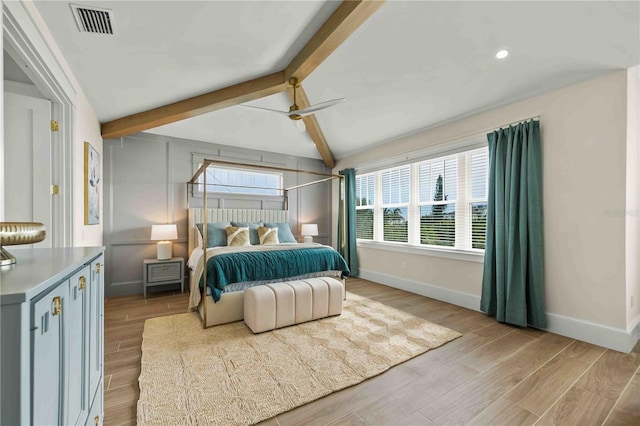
(309, 230)
(164, 233)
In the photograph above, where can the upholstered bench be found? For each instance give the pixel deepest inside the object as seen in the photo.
(271, 306)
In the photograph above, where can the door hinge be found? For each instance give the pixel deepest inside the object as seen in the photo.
(55, 190)
(54, 126)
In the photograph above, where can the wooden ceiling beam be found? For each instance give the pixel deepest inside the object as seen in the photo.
(313, 127)
(341, 24)
(197, 105)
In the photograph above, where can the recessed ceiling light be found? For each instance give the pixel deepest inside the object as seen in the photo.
(501, 54)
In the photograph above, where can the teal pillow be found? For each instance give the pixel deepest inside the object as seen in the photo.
(284, 232)
(216, 234)
(254, 238)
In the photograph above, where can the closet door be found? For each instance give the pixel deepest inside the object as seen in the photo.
(77, 378)
(48, 352)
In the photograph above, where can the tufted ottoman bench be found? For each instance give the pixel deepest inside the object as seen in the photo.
(271, 306)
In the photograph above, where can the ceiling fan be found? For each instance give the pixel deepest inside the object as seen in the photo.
(295, 113)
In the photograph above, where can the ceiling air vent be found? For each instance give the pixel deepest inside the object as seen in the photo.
(93, 19)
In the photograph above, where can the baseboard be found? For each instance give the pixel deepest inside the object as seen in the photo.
(454, 297)
(130, 288)
(124, 288)
(598, 334)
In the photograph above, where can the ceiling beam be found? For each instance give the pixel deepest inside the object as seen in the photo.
(341, 24)
(197, 105)
(313, 127)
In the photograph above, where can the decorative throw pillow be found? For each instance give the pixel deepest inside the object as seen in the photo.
(268, 235)
(253, 230)
(216, 235)
(284, 232)
(237, 236)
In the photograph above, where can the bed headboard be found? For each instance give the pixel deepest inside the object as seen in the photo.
(235, 215)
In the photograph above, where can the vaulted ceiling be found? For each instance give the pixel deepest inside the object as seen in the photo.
(403, 66)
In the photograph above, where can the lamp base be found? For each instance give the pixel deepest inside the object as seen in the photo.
(308, 239)
(164, 250)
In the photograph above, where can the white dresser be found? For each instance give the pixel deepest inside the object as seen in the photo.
(51, 337)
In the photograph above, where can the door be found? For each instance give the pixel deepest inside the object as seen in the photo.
(48, 356)
(27, 162)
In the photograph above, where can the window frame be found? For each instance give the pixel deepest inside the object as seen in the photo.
(462, 248)
(198, 192)
(455, 202)
(367, 206)
(381, 206)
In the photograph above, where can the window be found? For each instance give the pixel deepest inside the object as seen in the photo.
(396, 191)
(438, 186)
(440, 202)
(241, 181)
(478, 202)
(365, 198)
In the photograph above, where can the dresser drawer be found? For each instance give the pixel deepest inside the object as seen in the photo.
(163, 272)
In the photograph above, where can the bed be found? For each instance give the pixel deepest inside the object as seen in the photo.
(231, 270)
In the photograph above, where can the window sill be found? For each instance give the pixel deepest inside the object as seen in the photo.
(466, 255)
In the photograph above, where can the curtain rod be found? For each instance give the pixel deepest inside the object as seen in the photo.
(206, 162)
(488, 129)
(491, 129)
(425, 149)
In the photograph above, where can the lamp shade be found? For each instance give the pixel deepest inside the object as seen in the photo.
(309, 229)
(164, 232)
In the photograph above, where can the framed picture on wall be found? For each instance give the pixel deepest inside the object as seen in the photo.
(91, 180)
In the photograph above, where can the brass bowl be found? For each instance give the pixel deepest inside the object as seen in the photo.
(15, 233)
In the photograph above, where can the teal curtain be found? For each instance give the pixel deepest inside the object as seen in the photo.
(513, 277)
(347, 236)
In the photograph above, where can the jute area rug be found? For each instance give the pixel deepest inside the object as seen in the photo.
(226, 375)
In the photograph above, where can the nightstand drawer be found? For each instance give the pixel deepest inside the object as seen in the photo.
(163, 272)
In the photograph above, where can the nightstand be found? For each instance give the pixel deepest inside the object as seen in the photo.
(161, 272)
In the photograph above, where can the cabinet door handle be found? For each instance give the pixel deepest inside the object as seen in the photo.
(83, 283)
(56, 305)
(97, 420)
(98, 267)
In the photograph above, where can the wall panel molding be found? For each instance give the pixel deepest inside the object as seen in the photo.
(146, 174)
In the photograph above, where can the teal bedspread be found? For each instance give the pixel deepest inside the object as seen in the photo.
(229, 268)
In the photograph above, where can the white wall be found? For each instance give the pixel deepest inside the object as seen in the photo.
(584, 139)
(632, 213)
(87, 128)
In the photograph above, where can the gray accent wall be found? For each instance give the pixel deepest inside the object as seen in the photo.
(145, 183)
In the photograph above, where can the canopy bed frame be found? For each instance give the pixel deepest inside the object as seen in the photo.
(229, 307)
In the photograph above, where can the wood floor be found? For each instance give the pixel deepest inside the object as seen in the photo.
(494, 374)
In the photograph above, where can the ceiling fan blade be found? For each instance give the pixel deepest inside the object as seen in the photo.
(286, 113)
(318, 107)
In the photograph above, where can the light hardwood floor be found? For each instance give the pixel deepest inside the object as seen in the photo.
(494, 374)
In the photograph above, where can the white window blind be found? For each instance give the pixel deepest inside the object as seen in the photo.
(441, 202)
(396, 192)
(438, 186)
(478, 203)
(365, 201)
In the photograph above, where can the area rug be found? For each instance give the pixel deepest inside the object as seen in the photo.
(226, 375)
